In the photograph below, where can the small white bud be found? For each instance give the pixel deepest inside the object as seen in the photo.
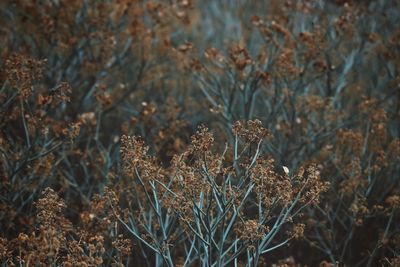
(286, 170)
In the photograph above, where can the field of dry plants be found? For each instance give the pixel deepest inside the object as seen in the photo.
(200, 133)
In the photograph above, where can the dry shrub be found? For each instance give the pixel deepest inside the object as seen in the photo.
(300, 167)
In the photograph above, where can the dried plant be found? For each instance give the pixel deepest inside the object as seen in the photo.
(212, 133)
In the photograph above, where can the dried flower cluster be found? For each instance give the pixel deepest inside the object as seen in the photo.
(296, 160)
